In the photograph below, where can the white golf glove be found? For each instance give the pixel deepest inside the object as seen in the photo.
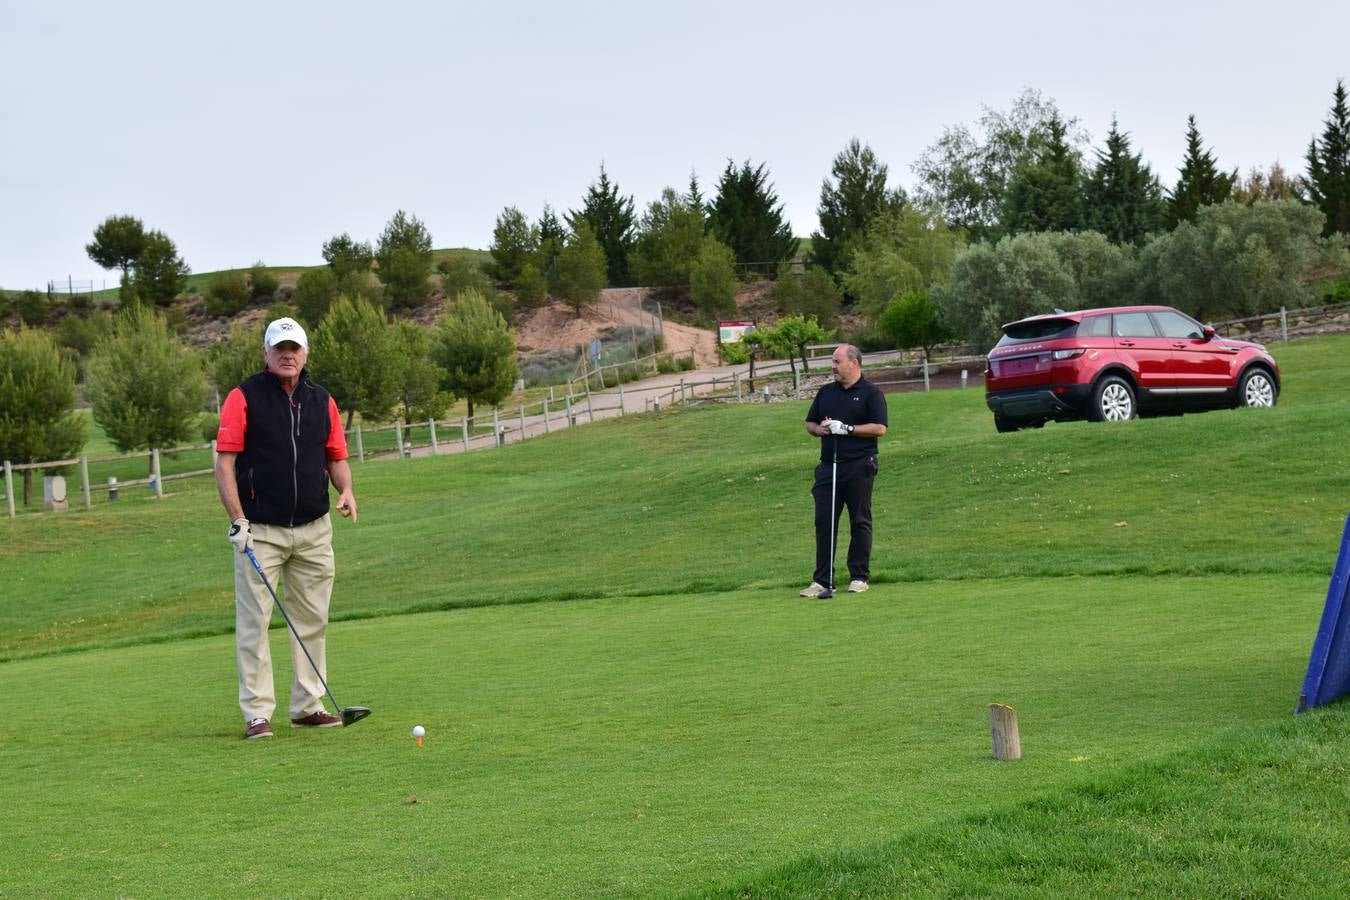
(837, 428)
(239, 535)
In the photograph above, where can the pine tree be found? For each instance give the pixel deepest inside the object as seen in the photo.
(747, 217)
(1047, 195)
(476, 350)
(1329, 167)
(514, 242)
(610, 218)
(552, 236)
(857, 196)
(1122, 198)
(1201, 183)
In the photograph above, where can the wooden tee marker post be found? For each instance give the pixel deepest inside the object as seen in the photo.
(1003, 728)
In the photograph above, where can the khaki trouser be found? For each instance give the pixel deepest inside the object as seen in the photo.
(300, 561)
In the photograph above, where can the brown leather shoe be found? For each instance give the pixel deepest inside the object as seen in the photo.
(257, 728)
(320, 718)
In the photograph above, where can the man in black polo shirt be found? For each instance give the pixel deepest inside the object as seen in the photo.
(848, 414)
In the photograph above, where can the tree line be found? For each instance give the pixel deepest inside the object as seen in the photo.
(1012, 216)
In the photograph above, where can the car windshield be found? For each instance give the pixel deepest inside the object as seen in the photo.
(1037, 330)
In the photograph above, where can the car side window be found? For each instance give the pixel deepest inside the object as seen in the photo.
(1134, 324)
(1095, 326)
(1175, 325)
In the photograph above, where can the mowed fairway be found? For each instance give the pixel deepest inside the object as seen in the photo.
(623, 695)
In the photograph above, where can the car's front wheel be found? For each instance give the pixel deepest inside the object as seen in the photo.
(1113, 400)
(1257, 388)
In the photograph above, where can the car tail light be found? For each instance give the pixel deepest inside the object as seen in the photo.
(1068, 354)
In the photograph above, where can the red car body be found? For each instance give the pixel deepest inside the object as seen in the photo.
(1114, 363)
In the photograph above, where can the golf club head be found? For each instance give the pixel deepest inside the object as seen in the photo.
(825, 594)
(353, 714)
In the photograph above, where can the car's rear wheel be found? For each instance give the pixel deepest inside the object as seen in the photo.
(1003, 426)
(1257, 388)
(1113, 400)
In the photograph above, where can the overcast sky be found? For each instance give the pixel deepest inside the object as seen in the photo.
(255, 131)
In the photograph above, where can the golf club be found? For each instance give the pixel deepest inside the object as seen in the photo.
(834, 518)
(349, 714)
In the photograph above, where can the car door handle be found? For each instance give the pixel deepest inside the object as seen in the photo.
(1180, 345)
(1125, 343)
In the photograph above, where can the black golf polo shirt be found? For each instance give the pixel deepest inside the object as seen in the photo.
(862, 404)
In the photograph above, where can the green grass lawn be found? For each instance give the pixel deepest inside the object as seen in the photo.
(1145, 595)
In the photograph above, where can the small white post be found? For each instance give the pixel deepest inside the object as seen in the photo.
(682, 400)
(925, 375)
(620, 399)
(154, 473)
(570, 421)
(84, 477)
(1284, 324)
(9, 488)
(464, 427)
(496, 429)
(590, 410)
(547, 428)
(398, 438)
(522, 421)
(360, 444)
(736, 376)
(431, 430)
(964, 375)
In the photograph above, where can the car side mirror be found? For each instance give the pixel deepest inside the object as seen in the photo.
(1208, 331)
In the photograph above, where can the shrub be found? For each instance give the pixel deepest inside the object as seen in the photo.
(686, 363)
(314, 294)
(264, 283)
(226, 294)
(1337, 292)
(734, 353)
(548, 367)
(33, 308)
(460, 274)
(667, 365)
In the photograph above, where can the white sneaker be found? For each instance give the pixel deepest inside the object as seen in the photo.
(812, 590)
(857, 586)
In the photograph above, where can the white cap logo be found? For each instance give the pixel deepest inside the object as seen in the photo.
(286, 329)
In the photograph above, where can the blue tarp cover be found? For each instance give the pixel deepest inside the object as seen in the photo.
(1329, 666)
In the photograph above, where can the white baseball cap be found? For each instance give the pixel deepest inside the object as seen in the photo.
(286, 329)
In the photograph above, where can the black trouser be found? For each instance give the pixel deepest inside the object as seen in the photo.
(853, 488)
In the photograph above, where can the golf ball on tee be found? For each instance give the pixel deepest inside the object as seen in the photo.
(418, 731)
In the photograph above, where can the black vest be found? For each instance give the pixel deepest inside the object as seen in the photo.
(283, 471)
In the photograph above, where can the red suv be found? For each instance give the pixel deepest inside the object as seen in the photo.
(1111, 364)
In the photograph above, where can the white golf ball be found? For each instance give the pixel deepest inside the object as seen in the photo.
(418, 731)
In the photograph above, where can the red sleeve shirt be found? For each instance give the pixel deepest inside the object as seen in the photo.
(234, 425)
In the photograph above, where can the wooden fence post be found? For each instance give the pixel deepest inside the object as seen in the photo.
(547, 429)
(1003, 729)
(84, 477)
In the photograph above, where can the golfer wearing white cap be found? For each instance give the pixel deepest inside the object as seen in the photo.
(279, 445)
